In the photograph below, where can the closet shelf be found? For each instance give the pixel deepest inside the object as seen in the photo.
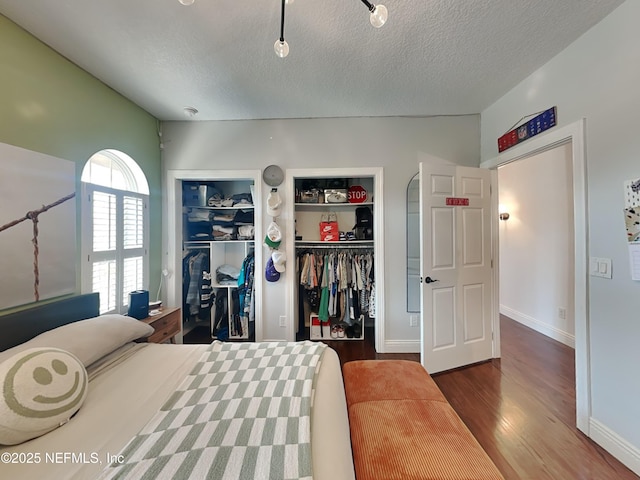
(238, 206)
(326, 205)
(207, 243)
(345, 244)
(224, 285)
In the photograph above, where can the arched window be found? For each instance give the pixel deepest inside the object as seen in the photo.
(115, 226)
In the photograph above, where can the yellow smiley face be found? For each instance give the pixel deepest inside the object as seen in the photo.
(45, 383)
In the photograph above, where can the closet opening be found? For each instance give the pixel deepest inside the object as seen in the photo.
(218, 224)
(336, 238)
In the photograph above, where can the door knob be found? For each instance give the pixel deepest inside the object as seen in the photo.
(430, 280)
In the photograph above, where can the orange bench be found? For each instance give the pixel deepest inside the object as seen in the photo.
(403, 428)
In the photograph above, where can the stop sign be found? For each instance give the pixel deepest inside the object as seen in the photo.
(357, 194)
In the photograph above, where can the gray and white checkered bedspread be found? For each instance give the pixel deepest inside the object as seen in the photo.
(244, 412)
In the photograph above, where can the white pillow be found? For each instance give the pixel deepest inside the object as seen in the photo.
(42, 389)
(89, 339)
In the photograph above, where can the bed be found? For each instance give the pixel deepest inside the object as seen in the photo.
(134, 388)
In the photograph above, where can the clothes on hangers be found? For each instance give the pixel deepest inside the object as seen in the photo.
(246, 289)
(345, 279)
(198, 296)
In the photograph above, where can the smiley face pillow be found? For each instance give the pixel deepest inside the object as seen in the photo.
(41, 390)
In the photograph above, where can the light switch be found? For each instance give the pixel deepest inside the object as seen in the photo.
(600, 267)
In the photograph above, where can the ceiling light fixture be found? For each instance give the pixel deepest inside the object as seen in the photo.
(281, 46)
(378, 15)
(186, 3)
(377, 18)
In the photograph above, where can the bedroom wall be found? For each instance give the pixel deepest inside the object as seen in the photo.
(597, 78)
(50, 105)
(538, 239)
(396, 144)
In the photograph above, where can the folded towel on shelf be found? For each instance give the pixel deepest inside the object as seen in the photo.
(246, 232)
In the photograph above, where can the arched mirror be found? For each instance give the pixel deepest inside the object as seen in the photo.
(413, 244)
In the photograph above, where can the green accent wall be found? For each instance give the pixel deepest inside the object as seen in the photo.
(50, 105)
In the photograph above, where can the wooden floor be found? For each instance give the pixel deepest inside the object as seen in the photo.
(520, 408)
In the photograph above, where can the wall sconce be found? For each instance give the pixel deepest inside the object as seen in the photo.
(504, 216)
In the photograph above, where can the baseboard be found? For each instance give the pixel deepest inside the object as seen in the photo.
(401, 346)
(540, 327)
(617, 446)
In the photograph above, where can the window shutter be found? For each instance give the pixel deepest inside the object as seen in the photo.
(132, 277)
(133, 230)
(104, 281)
(104, 221)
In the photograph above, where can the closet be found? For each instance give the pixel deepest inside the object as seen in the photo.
(335, 289)
(218, 256)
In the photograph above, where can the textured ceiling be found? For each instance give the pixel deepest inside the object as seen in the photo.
(433, 57)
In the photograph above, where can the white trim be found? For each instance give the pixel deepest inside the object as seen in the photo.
(620, 448)
(402, 346)
(495, 257)
(539, 326)
(575, 134)
(172, 244)
(378, 235)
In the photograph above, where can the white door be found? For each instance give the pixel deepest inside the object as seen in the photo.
(456, 269)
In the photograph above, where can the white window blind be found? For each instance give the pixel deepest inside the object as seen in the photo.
(115, 220)
(104, 281)
(117, 259)
(133, 222)
(104, 222)
(132, 277)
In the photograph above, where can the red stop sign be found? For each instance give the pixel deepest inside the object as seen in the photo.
(357, 194)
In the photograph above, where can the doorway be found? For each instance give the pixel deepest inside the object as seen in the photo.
(575, 135)
(535, 196)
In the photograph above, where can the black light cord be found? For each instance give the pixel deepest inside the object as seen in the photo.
(369, 5)
(282, 22)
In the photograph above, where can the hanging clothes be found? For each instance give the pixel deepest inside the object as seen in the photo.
(323, 313)
(346, 282)
(246, 297)
(196, 276)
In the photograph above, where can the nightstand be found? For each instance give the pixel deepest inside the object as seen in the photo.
(166, 324)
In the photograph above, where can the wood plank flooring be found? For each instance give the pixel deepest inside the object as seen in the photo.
(520, 408)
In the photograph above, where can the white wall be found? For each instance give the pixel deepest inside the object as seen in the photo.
(597, 77)
(536, 243)
(393, 143)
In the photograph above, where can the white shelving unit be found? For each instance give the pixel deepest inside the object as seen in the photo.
(230, 251)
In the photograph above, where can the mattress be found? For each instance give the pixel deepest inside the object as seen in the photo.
(127, 389)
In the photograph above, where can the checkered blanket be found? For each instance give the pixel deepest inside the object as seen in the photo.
(244, 412)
